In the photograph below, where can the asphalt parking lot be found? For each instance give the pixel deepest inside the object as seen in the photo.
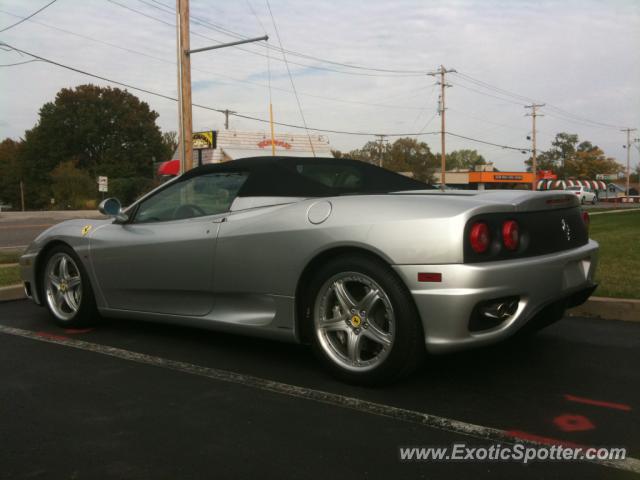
(134, 400)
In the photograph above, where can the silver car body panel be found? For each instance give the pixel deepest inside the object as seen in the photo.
(239, 271)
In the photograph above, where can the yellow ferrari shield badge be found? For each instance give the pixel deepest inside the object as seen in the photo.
(356, 320)
(86, 229)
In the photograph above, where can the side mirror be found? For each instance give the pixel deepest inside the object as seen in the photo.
(111, 207)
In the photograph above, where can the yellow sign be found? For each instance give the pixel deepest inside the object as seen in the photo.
(86, 230)
(204, 140)
(356, 320)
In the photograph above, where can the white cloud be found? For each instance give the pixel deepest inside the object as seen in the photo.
(581, 56)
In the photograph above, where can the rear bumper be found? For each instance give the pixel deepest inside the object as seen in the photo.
(446, 307)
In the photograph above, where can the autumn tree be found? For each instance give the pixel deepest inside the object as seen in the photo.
(588, 161)
(569, 157)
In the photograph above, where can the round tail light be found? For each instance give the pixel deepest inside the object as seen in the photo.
(511, 234)
(479, 237)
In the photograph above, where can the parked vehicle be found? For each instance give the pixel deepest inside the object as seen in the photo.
(584, 194)
(371, 268)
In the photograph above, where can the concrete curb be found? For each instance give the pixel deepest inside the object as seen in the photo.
(12, 292)
(609, 309)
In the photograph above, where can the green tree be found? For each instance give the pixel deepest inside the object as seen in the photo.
(464, 159)
(170, 143)
(410, 155)
(71, 187)
(10, 172)
(406, 155)
(563, 148)
(370, 153)
(106, 131)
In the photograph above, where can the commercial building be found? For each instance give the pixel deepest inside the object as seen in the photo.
(234, 144)
(486, 177)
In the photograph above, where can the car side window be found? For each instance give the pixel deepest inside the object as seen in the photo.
(207, 194)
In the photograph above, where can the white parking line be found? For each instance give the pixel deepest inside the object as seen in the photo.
(363, 406)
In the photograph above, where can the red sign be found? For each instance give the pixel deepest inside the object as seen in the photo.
(546, 175)
(278, 143)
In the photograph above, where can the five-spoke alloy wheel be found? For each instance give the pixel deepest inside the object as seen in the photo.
(364, 323)
(354, 321)
(66, 289)
(63, 286)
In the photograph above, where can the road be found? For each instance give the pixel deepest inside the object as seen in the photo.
(17, 229)
(135, 400)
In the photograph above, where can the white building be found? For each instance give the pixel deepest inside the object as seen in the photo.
(234, 144)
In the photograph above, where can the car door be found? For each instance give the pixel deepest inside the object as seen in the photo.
(162, 259)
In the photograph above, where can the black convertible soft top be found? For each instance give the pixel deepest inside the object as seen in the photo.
(310, 177)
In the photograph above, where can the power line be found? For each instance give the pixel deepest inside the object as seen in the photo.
(235, 79)
(487, 94)
(247, 117)
(305, 65)
(226, 31)
(19, 63)
(507, 147)
(293, 85)
(565, 115)
(30, 16)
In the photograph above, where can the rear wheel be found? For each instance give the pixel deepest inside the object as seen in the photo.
(594, 201)
(67, 291)
(365, 325)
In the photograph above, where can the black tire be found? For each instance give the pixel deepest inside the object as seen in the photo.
(594, 201)
(86, 313)
(582, 201)
(406, 351)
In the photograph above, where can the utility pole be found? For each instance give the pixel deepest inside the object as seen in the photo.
(534, 113)
(22, 194)
(184, 86)
(628, 130)
(226, 118)
(443, 85)
(184, 81)
(381, 149)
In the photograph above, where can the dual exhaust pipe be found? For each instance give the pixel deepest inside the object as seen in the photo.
(500, 309)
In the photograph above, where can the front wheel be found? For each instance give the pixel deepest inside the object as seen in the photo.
(67, 291)
(365, 326)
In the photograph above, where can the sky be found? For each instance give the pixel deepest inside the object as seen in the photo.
(580, 58)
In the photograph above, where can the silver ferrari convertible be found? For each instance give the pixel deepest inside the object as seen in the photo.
(372, 268)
